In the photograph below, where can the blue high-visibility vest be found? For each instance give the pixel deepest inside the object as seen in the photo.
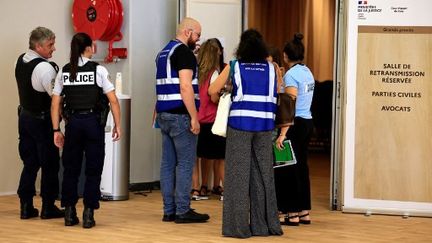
(168, 82)
(254, 97)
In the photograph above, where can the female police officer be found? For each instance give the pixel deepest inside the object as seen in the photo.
(84, 88)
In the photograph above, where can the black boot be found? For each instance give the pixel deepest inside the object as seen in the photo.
(28, 211)
(88, 219)
(51, 211)
(70, 216)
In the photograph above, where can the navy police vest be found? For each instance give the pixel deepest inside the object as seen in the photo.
(168, 82)
(31, 99)
(254, 97)
(83, 93)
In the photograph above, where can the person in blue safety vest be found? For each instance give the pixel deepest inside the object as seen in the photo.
(34, 76)
(83, 89)
(176, 106)
(249, 206)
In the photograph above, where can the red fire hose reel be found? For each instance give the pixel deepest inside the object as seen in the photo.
(101, 20)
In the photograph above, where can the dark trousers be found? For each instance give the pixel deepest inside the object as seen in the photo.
(37, 150)
(292, 182)
(84, 135)
(249, 206)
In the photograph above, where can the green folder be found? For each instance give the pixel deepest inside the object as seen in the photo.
(285, 156)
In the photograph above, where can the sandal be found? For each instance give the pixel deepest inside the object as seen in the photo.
(304, 221)
(288, 221)
(281, 218)
(204, 191)
(217, 190)
(195, 195)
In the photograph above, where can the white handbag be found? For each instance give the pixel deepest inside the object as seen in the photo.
(221, 121)
(220, 124)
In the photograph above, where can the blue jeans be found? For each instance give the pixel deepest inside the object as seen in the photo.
(178, 159)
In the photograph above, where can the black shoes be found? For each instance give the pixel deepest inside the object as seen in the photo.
(51, 211)
(72, 219)
(28, 211)
(191, 217)
(70, 216)
(88, 218)
(168, 217)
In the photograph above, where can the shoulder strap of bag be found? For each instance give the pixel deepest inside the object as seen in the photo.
(228, 84)
(232, 64)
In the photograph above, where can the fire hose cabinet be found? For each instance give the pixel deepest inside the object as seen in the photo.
(115, 175)
(101, 20)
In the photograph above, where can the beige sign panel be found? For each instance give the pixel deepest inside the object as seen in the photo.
(393, 142)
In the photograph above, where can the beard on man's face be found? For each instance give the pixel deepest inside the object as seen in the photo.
(191, 43)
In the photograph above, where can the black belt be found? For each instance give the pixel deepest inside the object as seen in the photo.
(82, 111)
(35, 114)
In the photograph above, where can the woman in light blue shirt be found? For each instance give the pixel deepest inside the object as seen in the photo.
(292, 182)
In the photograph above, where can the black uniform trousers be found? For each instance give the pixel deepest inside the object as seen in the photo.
(292, 182)
(84, 135)
(37, 150)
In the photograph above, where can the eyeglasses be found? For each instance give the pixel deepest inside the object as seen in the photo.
(198, 34)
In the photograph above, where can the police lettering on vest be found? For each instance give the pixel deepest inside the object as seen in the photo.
(82, 78)
(83, 92)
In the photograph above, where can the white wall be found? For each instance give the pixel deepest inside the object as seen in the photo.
(227, 28)
(153, 25)
(17, 19)
(147, 26)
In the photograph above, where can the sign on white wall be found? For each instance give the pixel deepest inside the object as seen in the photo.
(388, 109)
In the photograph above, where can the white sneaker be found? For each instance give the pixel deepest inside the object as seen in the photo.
(198, 197)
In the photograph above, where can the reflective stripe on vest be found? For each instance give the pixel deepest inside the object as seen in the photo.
(168, 82)
(254, 97)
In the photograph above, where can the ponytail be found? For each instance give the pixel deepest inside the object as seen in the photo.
(78, 45)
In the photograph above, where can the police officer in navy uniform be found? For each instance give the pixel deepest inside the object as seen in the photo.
(82, 90)
(35, 75)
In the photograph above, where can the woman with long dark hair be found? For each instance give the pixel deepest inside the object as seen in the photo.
(249, 195)
(87, 96)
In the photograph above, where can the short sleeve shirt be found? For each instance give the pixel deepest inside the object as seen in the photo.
(300, 77)
(183, 58)
(43, 74)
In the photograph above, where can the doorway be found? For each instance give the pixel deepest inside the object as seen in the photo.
(278, 21)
